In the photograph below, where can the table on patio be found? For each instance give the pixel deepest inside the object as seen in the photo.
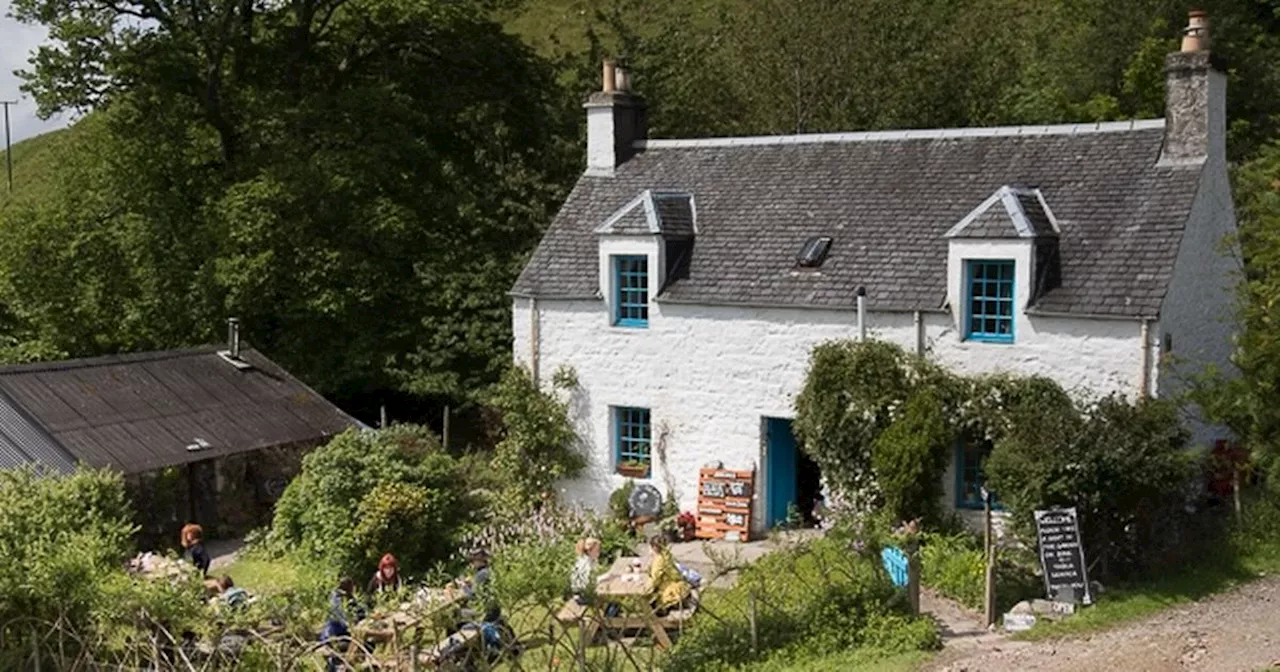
(627, 583)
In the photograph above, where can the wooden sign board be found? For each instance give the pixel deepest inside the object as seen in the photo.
(1062, 555)
(724, 504)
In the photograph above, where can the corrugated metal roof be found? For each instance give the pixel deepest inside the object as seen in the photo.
(139, 412)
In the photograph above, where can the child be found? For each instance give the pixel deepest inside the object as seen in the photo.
(585, 568)
(192, 540)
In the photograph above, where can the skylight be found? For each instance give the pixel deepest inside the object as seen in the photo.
(814, 252)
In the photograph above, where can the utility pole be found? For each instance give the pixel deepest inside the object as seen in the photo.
(8, 146)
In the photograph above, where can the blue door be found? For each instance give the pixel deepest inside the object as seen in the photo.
(779, 470)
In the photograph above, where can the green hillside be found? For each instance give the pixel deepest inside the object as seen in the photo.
(35, 162)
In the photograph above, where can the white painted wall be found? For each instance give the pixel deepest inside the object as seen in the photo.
(709, 374)
(1198, 311)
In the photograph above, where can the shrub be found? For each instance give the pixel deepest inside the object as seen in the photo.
(58, 537)
(953, 565)
(620, 502)
(819, 597)
(1123, 466)
(538, 445)
(910, 457)
(372, 492)
(873, 417)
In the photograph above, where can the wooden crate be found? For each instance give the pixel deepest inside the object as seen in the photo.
(724, 503)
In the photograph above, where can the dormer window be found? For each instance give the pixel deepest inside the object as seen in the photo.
(989, 292)
(813, 252)
(631, 295)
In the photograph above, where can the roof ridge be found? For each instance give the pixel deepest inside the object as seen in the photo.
(911, 134)
(113, 360)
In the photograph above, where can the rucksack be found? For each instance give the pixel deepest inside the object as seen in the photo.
(690, 575)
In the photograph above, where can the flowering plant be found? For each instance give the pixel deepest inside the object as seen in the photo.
(687, 524)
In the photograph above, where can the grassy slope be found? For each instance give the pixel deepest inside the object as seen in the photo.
(34, 164)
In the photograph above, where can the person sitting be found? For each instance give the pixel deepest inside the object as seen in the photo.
(192, 540)
(667, 588)
(344, 611)
(387, 577)
(479, 589)
(584, 569)
(229, 595)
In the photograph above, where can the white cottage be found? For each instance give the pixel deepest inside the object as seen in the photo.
(686, 281)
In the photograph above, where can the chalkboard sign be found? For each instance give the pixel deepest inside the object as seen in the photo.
(724, 504)
(1062, 555)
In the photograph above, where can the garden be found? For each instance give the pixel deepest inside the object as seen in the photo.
(880, 423)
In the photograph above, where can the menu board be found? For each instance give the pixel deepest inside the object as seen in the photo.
(724, 504)
(1062, 555)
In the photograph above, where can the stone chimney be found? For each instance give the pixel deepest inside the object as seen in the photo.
(1195, 99)
(615, 119)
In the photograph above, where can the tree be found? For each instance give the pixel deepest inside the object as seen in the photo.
(357, 180)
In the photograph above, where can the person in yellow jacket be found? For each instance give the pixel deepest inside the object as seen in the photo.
(667, 588)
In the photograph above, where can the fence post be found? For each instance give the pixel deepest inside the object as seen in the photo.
(989, 555)
(913, 575)
(1235, 492)
(751, 616)
(35, 649)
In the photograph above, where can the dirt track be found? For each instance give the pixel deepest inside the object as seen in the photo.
(1236, 630)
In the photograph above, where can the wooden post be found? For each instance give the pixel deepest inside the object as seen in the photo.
(444, 435)
(913, 576)
(751, 615)
(989, 591)
(1235, 492)
(382, 417)
(413, 656)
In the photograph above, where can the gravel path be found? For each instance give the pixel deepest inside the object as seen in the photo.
(1236, 630)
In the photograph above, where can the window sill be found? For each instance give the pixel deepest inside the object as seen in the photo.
(1006, 340)
(977, 506)
(631, 324)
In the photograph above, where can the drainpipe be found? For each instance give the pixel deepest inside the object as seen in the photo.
(534, 346)
(1144, 385)
(862, 314)
(919, 322)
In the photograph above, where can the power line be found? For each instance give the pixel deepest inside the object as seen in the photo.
(8, 146)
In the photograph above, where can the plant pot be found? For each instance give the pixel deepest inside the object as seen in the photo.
(634, 470)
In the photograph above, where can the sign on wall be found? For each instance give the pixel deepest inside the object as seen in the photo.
(724, 504)
(1062, 556)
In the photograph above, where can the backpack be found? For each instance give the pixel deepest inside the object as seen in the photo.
(690, 575)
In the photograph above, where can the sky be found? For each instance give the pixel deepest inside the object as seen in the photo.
(16, 42)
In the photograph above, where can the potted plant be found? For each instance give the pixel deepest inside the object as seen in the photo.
(688, 525)
(633, 469)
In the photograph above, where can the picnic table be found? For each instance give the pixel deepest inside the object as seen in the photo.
(627, 583)
(389, 627)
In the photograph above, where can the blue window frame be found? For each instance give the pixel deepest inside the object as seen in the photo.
(631, 291)
(971, 457)
(989, 301)
(631, 437)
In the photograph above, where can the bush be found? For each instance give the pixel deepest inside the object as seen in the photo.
(910, 457)
(819, 597)
(59, 536)
(874, 419)
(538, 446)
(1123, 466)
(372, 492)
(953, 565)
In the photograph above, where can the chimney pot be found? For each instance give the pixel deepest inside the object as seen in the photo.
(609, 77)
(1195, 37)
(623, 79)
(233, 337)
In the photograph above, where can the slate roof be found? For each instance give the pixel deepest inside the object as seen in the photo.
(887, 199)
(139, 412)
